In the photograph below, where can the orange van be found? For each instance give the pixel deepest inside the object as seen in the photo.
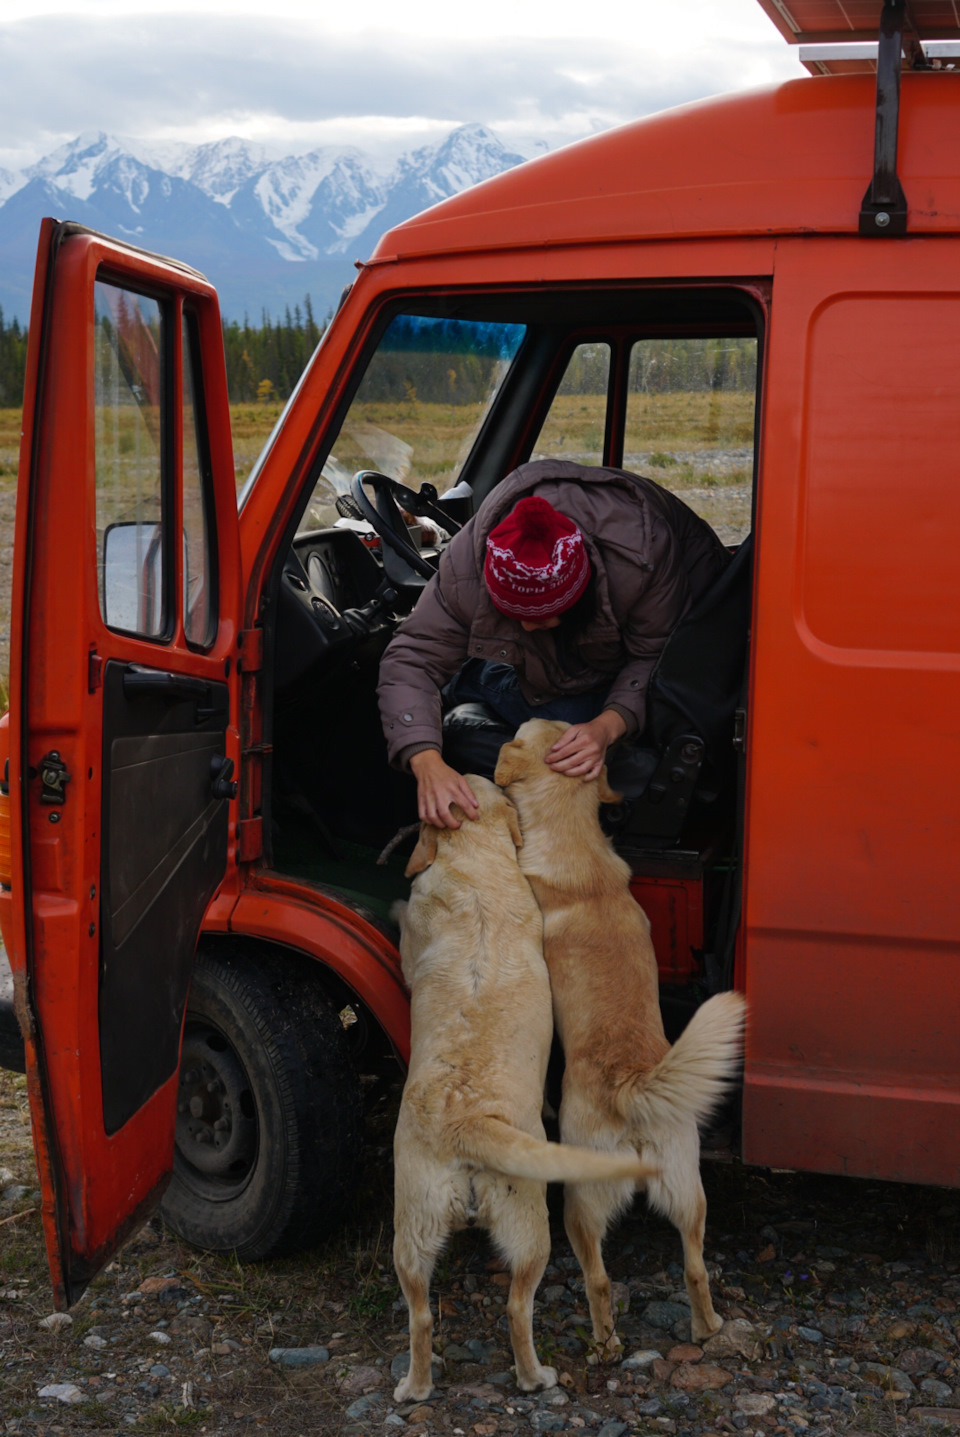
(756, 300)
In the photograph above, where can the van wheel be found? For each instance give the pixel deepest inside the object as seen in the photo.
(269, 1112)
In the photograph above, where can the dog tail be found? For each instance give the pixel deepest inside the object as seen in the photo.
(493, 1143)
(693, 1077)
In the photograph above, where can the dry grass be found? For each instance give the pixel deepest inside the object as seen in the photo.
(672, 432)
(9, 461)
(659, 427)
(690, 420)
(697, 444)
(252, 425)
(9, 444)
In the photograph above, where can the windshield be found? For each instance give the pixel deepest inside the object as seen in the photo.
(419, 407)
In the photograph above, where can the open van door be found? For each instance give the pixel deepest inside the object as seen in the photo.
(123, 734)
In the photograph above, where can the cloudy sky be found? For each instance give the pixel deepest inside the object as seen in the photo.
(294, 74)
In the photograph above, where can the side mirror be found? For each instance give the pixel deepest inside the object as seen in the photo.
(132, 588)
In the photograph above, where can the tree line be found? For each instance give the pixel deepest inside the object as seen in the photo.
(263, 362)
(431, 360)
(439, 361)
(668, 365)
(13, 361)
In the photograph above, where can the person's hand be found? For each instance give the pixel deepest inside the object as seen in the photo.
(580, 751)
(439, 785)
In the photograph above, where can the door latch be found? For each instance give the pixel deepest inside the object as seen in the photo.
(53, 778)
(222, 782)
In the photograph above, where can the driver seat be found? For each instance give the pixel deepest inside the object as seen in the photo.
(686, 751)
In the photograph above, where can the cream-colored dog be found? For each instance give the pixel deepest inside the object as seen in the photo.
(470, 1145)
(624, 1087)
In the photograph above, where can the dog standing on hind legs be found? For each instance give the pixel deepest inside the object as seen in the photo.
(623, 1084)
(469, 1146)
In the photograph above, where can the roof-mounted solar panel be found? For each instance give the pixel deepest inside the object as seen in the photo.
(860, 57)
(838, 37)
(837, 24)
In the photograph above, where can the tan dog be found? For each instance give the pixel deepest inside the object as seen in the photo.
(623, 1084)
(469, 1145)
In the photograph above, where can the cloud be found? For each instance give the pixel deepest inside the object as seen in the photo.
(197, 77)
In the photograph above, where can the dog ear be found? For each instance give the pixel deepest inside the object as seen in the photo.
(513, 823)
(509, 764)
(425, 851)
(607, 794)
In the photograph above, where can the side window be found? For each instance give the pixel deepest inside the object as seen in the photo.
(199, 572)
(690, 424)
(128, 400)
(574, 426)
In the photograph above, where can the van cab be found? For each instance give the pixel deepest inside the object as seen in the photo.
(203, 957)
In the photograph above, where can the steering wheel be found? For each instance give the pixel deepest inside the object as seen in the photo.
(385, 516)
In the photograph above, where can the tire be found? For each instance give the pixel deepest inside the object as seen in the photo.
(269, 1114)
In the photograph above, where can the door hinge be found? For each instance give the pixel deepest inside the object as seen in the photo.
(740, 730)
(251, 651)
(53, 778)
(249, 839)
(94, 671)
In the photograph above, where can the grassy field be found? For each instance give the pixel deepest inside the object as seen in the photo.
(9, 457)
(678, 433)
(9, 444)
(699, 445)
(252, 425)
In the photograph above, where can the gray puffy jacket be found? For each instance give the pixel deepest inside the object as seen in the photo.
(651, 555)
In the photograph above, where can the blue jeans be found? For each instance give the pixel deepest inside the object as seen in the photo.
(496, 685)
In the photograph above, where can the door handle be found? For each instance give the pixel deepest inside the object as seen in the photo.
(222, 782)
(160, 683)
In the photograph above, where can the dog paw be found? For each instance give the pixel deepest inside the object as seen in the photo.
(408, 1391)
(699, 1331)
(541, 1377)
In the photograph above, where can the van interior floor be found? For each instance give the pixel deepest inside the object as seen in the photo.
(350, 869)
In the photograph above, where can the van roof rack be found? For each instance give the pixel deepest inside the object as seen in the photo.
(916, 34)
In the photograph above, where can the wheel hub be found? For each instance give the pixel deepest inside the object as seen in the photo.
(216, 1115)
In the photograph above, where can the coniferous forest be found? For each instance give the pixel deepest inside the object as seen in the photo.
(263, 363)
(13, 358)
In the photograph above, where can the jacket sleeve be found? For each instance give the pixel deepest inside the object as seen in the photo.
(427, 650)
(646, 627)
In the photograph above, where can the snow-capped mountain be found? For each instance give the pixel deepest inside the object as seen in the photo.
(220, 168)
(265, 231)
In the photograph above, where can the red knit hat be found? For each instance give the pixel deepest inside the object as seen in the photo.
(536, 563)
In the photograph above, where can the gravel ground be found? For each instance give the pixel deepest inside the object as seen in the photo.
(840, 1297)
(840, 1301)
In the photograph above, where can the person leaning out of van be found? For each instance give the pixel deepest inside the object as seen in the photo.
(552, 602)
